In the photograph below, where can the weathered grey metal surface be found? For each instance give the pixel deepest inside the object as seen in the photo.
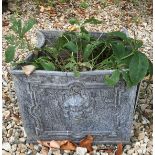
(57, 105)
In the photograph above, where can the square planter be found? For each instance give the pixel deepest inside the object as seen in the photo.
(57, 105)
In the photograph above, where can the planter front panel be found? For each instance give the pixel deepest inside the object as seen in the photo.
(66, 107)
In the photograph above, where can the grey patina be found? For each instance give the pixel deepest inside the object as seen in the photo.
(57, 105)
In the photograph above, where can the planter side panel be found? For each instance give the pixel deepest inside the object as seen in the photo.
(65, 107)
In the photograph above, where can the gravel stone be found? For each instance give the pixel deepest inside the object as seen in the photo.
(29, 152)
(81, 151)
(14, 147)
(22, 140)
(6, 146)
(37, 148)
(141, 136)
(5, 152)
(6, 114)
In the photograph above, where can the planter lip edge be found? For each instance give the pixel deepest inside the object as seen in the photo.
(61, 73)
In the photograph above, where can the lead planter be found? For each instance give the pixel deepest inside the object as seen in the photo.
(57, 105)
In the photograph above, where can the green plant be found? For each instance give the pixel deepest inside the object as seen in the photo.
(81, 51)
(18, 39)
(84, 5)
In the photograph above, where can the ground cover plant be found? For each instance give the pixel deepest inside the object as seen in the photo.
(77, 50)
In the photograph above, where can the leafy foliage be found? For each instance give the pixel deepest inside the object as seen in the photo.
(17, 40)
(138, 67)
(9, 54)
(81, 51)
(113, 79)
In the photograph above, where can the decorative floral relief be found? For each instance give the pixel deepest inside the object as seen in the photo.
(77, 108)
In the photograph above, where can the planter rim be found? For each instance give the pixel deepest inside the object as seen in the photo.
(61, 73)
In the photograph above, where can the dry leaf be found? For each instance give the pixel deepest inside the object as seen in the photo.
(81, 11)
(15, 118)
(54, 144)
(57, 25)
(69, 146)
(28, 69)
(5, 23)
(87, 143)
(119, 149)
(72, 28)
(44, 150)
(42, 9)
(44, 143)
(62, 142)
(48, 8)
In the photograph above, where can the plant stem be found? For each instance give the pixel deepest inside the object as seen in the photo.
(99, 54)
(66, 38)
(127, 56)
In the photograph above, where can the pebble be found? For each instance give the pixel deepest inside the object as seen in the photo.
(140, 151)
(141, 136)
(14, 147)
(131, 151)
(29, 152)
(22, 148)
(127, 147)
(81, 151)
(6, 114)
(37, 148)
(9, 126)
(22, 140)
(6, 146)
(105, 153)
(5, 152)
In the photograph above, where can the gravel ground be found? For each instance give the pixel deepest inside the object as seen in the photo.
(115, 16)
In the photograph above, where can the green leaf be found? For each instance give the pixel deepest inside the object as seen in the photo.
(118, 34)
(70, 65)
(61, 41)
(83, 30)
(28, 25)
(127, 61)
(89, 49)
(76, 73)
(52, 51)
(16, 25)
(84, 5)
(85, 36)
(119, 50)
(113, 79)
(138, 44)
(71, 46)
(10, 53)
(47, 65)
(138, 67)
(127, 79)
(10, 39)
(73, 21)
(92, 21)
